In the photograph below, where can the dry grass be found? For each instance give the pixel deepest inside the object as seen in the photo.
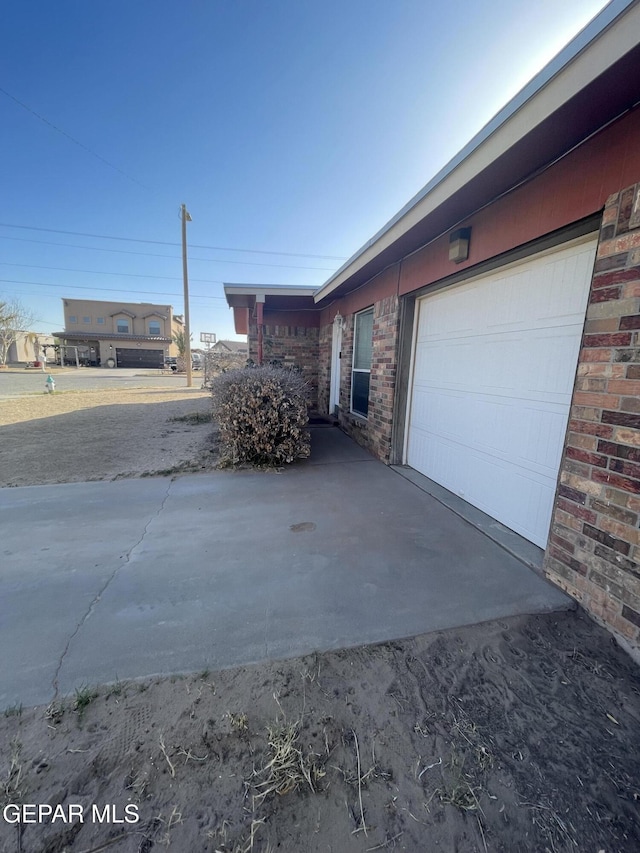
(13, 786)
(84, 696)
(242, 845)
(288, 769)
(193, 418)
(239, 722)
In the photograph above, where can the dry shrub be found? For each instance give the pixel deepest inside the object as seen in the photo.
(262, 414)
(216, 362)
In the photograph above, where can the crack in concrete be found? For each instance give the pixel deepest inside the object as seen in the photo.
(101, 591)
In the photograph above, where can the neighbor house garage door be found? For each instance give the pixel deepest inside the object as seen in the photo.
(140, 357)
(493, 373)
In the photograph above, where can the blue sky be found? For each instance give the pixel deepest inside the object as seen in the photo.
(291, 128)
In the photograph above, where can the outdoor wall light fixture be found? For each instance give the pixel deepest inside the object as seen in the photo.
(459, 245)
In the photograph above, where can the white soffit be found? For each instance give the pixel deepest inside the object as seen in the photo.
(268, 290)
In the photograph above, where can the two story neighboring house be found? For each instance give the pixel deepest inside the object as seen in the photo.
(120, 334)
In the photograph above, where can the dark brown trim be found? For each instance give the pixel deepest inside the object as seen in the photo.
(407, 309)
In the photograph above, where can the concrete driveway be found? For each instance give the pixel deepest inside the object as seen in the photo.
(131, 578)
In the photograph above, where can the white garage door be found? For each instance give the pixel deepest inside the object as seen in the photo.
(494, 368)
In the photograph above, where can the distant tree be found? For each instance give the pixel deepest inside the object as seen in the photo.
(14, 318)
(180, 340)
(34, 341)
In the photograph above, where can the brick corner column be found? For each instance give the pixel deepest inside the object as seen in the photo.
(594, 544)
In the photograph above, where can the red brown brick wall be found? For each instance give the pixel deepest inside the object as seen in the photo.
(374, 432)
(594, 545)
(289, 346)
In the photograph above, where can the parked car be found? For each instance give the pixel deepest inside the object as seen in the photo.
(171, 363)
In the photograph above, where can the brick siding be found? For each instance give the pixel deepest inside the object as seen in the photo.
(289, 346)
(374, 432)
(594, 545)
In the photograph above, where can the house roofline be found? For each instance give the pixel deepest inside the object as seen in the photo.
(110, 336)
(268, 290)
(591, 52)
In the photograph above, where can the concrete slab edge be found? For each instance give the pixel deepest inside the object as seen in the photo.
(524, 551)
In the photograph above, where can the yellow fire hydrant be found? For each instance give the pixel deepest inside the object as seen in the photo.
(50, 385)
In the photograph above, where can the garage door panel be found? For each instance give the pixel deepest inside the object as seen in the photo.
(524, 501)
(544, 432)
(493, 374)
(499, 427)
(503, 363)
(552, 290)
(149, 358)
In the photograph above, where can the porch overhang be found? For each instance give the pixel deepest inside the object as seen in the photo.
(243, 298)
(108, 336)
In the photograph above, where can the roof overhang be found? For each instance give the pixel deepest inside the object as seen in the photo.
(591, 82)
(108, 336)
(242, 298)
(246, 295)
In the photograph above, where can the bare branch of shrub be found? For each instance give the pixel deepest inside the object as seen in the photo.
(262, 413)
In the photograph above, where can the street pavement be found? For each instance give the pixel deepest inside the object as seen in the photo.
(115, 580)
(16, 382)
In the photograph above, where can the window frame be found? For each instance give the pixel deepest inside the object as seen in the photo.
(120, 331)
(361, 370)
(157, 323)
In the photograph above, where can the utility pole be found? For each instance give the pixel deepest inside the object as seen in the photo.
(185, 216)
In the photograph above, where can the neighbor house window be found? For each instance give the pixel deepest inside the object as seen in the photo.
(100, 321)
(154, 327)
(86, 320)
(361, 370)
(122, 327)
(73, 318)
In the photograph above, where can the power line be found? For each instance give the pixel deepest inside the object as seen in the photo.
(99, 272)
(166, 243)
(96, 248)
(174, 257)
(106, 289)
(72, 139)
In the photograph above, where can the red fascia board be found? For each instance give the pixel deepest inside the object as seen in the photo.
(240, 320)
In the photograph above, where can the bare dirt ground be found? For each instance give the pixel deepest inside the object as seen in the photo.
(97, 435)
(519, 735)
